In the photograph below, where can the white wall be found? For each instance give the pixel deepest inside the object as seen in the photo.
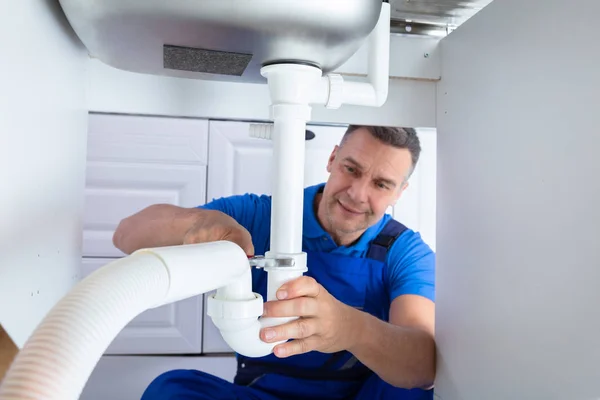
(519, 204)
(416, 208)
(42, 161)
(412, 57)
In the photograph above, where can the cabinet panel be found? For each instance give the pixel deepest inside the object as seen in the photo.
(170, 329)
(241, 164)
(137, 161)
(115, 190)
(147, 139)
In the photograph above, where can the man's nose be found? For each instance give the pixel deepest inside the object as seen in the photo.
(359, 191)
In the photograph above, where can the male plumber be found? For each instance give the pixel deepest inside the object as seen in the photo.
(366, 305)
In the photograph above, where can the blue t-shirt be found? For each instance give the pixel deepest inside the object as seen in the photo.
(411, 262)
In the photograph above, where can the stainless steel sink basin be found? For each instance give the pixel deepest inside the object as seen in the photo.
(221, 39)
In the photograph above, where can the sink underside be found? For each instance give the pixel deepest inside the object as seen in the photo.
(221, 39)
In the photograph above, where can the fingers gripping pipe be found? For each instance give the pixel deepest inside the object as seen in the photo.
(235, 311)
(234, 308)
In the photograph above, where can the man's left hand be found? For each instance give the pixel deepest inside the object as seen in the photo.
(325, 324)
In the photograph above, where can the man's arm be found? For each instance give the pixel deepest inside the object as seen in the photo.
(155, 226)
(168, 225)
(401, 352)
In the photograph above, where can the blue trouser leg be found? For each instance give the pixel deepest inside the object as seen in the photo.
(377, 389)
(196, 385)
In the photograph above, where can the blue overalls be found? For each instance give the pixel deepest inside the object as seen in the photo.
(358, 282)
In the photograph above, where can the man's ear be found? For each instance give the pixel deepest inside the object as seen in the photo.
(331, 158)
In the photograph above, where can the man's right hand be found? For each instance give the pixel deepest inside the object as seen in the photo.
(215, 226)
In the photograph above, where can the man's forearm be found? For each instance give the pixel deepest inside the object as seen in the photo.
(155, 226)
(401, 356)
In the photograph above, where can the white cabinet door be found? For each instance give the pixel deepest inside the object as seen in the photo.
(134, 162)
(115, 190)
(241, 164)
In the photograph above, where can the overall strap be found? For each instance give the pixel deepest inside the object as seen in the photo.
(383, 242)
(378, 250)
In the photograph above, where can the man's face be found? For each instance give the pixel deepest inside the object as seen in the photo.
(366, 176)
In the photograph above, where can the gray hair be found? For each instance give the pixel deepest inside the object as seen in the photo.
(401, 138)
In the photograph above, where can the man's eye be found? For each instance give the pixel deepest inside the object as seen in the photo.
(350, 169)
(381, 186)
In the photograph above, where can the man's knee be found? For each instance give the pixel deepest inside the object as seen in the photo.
(159, 386)
(186, 383)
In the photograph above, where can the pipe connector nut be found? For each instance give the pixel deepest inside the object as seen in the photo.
(234, 309)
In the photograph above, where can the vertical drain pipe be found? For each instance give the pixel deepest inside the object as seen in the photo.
(291, 88)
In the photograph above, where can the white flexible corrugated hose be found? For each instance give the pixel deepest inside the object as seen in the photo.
(62, 352)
